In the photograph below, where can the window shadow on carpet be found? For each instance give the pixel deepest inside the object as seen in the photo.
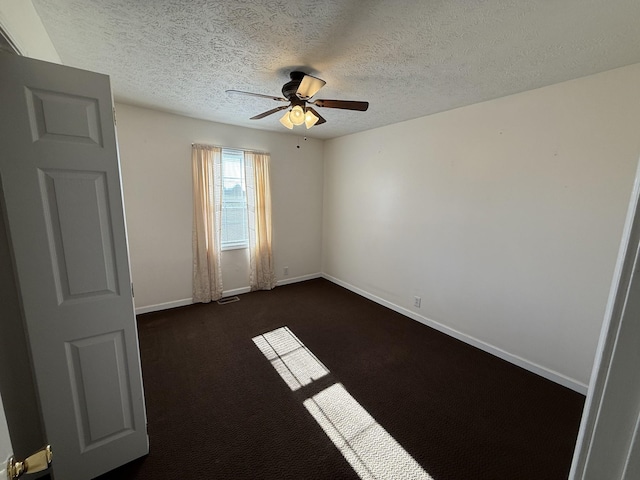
(363, 442)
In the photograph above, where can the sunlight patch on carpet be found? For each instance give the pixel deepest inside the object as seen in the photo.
(292, 360)
(370, 450)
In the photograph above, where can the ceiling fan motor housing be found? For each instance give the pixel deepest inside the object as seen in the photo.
(290, 88)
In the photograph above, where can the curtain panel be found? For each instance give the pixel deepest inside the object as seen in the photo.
(262, 275)
(207, 216)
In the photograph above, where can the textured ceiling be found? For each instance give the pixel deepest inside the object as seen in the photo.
(407, 58)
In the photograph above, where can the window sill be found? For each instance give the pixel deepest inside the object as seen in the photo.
(242, 246)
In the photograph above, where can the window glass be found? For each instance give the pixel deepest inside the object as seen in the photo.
(234, 200)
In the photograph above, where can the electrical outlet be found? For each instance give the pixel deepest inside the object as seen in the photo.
(416, 301)
(286, 270)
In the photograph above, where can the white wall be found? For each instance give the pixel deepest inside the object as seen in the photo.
(505, 216)
(155, 153)
(20, 21)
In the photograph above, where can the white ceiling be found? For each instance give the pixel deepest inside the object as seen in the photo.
(407, 58)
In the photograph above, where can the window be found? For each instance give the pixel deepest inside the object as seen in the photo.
(234, 201)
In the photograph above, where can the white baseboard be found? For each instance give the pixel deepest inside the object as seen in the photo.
(225, 293)
(303, 278)
(235, 291)
(163, 306)
(498, 352)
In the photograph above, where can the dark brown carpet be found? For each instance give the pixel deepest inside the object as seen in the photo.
(217, 409)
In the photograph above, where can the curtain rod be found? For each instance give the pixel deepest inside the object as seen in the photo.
(233, 148)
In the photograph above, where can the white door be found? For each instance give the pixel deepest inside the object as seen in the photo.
(6, 451)
(61, 179)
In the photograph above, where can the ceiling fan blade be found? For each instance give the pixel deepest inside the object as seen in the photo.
(239, 92)
(321, 120)
(266, 114)
(344, 104)
(309, 86)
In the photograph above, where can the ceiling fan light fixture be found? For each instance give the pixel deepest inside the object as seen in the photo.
(296, 115)
(285, 121)
(310, 119)
(309, 86)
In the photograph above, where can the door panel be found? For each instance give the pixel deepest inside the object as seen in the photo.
(61, 180)
(100, 386)
(77, 215)
(63, 117)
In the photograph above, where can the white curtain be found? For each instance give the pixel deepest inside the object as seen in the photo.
(207, 216)
(262, 276)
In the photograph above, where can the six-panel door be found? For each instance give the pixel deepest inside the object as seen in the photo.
(61, 179)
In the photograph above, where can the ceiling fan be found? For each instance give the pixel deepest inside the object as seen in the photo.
(298, 92)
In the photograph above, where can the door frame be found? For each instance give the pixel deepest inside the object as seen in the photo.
(605, 384)
(6, 450)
